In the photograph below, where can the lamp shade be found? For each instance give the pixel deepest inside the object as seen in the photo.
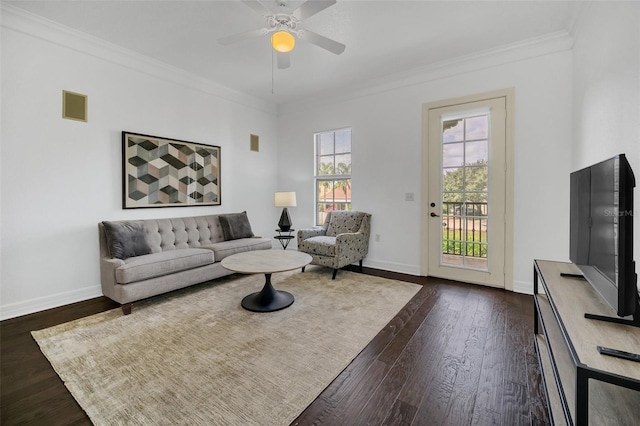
(284, 199)
(283, 41)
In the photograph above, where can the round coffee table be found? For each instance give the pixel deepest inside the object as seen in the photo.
(266, 262)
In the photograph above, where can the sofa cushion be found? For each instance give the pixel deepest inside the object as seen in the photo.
(342, 222)
(227, 248)
(321, 246)
(235, 226)
(126, 239)
(163, 263)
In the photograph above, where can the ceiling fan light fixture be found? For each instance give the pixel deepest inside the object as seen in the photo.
(283, 41)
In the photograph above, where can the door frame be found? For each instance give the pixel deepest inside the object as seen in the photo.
(508, 94)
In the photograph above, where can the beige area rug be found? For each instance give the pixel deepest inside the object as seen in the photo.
(197, 357)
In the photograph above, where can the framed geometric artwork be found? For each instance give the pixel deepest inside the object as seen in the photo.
(161, 172)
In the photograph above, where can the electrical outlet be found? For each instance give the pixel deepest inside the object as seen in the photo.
(408, 196)
(377, 238)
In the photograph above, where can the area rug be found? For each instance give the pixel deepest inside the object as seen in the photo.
(196, 357)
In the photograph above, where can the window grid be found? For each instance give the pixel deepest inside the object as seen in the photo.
(465, 207)
(332, 172)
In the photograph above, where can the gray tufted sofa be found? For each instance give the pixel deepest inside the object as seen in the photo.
(342, 240)
(144, 258)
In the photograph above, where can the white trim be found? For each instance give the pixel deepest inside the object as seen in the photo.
(523, 287)
(18, 20)
(509, 95)
(38, 304)
(455, 115)
(538, 46)
(392, 267)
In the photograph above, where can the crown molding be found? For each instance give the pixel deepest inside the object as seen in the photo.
(16, 19)
(510, 53)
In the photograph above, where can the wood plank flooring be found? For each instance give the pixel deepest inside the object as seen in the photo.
(456, 354)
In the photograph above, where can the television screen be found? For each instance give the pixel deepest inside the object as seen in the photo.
(601, 231)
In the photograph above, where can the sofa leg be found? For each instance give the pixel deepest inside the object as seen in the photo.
(360, 265)
(303, 268)
(335, 271)
(126, 308)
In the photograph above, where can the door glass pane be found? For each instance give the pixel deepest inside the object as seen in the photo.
(453, 180)
(452, 131)
(477, 152)
(453, 155)
(477, 127)
(476, 179)
(465, 185)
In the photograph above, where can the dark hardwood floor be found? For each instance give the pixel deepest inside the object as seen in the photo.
(456, 354)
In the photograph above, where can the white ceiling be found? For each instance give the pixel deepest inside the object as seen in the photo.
(382, 37)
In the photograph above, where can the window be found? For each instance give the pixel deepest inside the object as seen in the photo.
(332, 172)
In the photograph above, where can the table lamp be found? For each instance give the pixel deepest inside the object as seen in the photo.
(284, 200)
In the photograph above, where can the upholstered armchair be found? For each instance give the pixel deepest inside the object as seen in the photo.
(342, 240)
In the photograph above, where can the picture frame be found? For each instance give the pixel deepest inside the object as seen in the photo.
(163, 172)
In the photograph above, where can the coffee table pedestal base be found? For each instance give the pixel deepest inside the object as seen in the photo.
(268, 299)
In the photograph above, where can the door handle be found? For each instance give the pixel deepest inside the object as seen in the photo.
(434, 215)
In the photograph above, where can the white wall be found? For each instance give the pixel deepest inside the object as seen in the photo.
(606, 90)
(386, 124)
(61, 177)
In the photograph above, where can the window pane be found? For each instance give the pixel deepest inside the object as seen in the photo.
(452, 131)
(343, 164)
(333, 157)
(325, 147)
(321, 213)
(342, 191)
(477, 127)
(325, 166)
(343, 141)
(324, 191)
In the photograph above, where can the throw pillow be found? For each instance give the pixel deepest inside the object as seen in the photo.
(126, 239)
(235, 226)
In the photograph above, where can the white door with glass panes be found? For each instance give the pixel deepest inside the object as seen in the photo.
(466, 191)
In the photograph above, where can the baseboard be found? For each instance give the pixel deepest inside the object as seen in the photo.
(523, 287)
(38, 304)
(392, 267)
(13, 310)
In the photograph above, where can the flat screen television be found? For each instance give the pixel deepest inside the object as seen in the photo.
(601, 232)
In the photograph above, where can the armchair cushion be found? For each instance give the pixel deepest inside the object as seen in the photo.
(303, 234)
(320, 245)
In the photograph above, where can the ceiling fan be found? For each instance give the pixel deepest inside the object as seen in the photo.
(285, 26)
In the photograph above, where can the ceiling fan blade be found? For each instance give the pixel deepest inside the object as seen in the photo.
(322, 41)
(258, 7)
(284, 60)
(236, 38)
(311, 7)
